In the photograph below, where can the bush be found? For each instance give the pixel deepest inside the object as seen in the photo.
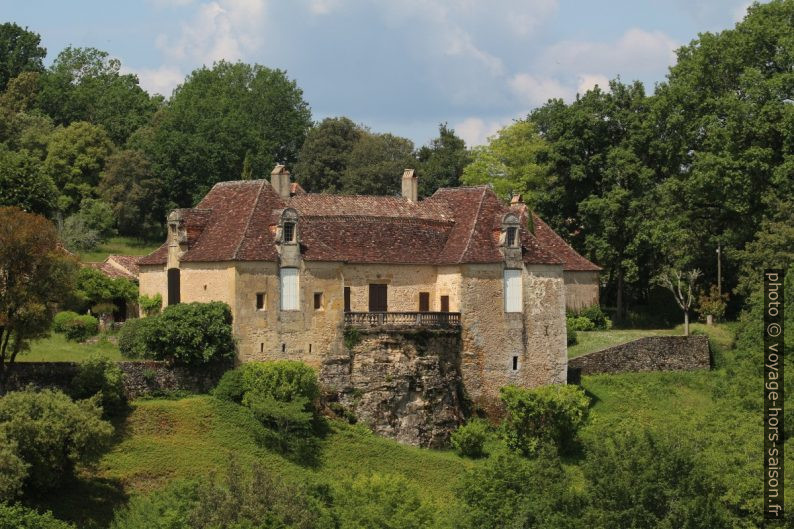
(549, 414)
(135, 335)
(383, 501)
(580, 323)
(289, 424)
(103, 377)
(150, 305)
(19, 517)
(230, 386)
(594, 313)
(13, 470)
(52, 433)
(62, 319)
(283, 380)
(572, 339)
(469, 439)
(193, 334)
(81, 328)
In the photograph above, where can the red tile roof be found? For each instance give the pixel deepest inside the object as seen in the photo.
(556, 244)
(115, 266)
(237, 221)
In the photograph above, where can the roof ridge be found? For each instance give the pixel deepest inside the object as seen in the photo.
(473, 227)
(248, 221)
(378, 218)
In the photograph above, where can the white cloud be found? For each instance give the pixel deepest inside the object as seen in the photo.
(588, 81)
(533, 90)
(476, 131)
(222, 29)
(323, 7)
(160, 80)
(741, 10)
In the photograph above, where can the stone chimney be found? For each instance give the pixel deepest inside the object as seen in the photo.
(279, 179)
(410, 185)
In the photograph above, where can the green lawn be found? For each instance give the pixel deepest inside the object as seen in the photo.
(57, 349)
(590, 341)
(120, 245)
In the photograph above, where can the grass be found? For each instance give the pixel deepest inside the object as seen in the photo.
(56, 348)
(120, 245)
(590, 341)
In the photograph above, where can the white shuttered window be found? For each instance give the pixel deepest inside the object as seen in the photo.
(513, 291)
(289, 289)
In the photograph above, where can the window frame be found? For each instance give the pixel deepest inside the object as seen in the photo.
(287, 289)
(260, 307)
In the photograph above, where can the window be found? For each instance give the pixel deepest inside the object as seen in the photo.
(289, 289)
(289, 232)
(261, 347)
(318, 300)
(512, 291)
(444, 303)
(347, 299)
(377, 298)
(173, 286)
(512, 237)
(515, 363)
(260, 301)
(424, 302)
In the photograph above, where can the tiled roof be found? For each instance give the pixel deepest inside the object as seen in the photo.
(237, 221)
(557, 245)
(115, 266)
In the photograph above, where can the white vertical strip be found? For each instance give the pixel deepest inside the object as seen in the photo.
(512, 286)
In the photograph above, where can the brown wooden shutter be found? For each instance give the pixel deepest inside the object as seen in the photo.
(347, 299)
(377, 298)
(173, 286)
(424, 302)
(444, 303)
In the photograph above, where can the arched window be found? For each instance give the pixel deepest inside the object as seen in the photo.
(510, 234)
(288, 227)
(512, 237)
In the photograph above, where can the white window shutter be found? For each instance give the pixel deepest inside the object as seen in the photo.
(513, 295)
(289, 289)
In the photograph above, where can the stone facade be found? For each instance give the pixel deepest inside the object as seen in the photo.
(653, 353)
(581, 289)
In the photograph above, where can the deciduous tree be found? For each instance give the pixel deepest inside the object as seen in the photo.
(442, 162)
(325, 155)
(20, 51)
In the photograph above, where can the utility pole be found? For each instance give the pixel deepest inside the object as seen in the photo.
(719, 268)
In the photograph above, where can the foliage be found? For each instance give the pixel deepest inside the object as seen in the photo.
(20, 51)
(376, 163)
(511, 491)
(283, 380)
(384, 501)
(61, 319)
(549, 414)
(22, 183)
(512, 161)
(20, 517)
(103, 377)
(231, 387)
(97, 215)
(570, 333)
(352, 337)
(469, 439)
(136, 335)
(442, 162)
(34, 274)
(76, 155)
(325, 155)
(81, 328)
(13, 470)
(128, 184)
(580, 323)
(713, 303)
(77, 236)
(289, 425)
(643, 480)
(94, 287)
(682, 286)
(151, 305)
(52, 433)
(597, 316)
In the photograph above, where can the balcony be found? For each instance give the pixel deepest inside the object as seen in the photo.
(403, 319)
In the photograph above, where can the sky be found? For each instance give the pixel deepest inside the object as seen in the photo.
(399, 66)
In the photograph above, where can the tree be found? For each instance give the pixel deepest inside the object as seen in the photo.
(92, 287)
(441, 163)
(34, 274)
(213, 120)
(376, 164)
(512, 162)
(682, 285)
(129, 185)
(20, 517)
(86, 84)
(325, 155)
(22, 184)
(75, 157)
(20, 51)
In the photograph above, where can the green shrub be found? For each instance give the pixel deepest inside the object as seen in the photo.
(388, 501)
(284, 380)
(580, 323)
(594, 313)
(230, 386)
(136, 335)
(549, 414)
(571, 339)
(150, 305)
(19, 517)
(469, 439)
(103, 377)
(192, 334)
(13, 470)
(62, 319)
(81, 328)
(52, 433)
(289, 424)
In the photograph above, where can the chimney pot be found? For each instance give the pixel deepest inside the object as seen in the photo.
(279, 179)
(410, 187)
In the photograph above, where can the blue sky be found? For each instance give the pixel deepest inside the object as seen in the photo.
(401, 66)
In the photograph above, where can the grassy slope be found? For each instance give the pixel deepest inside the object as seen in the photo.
(57, 349)
(120, 245)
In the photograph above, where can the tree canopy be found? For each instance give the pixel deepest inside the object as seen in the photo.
(20, 51)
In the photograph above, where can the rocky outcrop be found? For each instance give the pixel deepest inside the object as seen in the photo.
(404, 384)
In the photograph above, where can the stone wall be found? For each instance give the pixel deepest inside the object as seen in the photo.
(140, 378)
(404, 384)
(653, 353)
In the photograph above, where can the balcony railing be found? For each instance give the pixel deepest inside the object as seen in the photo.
(427, 319)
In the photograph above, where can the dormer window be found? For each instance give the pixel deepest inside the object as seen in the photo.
(512, 237)
(289, 232)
